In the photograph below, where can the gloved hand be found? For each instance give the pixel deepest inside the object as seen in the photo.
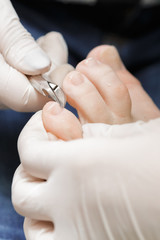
(20, 55)
(104, 186)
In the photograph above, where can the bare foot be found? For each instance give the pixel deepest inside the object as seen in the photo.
(102, 91)
(143, 108)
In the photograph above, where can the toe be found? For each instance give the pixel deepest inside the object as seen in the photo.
(108, 55)
(83, 96)
(60, 122)
(114, 93)
(143, 108)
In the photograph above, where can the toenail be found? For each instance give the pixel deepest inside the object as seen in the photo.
(53, 108)
(76, 78)
(91, 61)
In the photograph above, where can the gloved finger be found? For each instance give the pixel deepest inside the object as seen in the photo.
(38, 230)
(41, 230)
(15, 84)
(38, 154)
(27, 195)
(36, 151)
(54, 45)
(16, 92)
(18, 46)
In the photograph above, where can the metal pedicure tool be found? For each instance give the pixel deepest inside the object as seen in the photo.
(44, 86)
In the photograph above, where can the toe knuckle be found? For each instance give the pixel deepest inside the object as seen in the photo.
(120, 91)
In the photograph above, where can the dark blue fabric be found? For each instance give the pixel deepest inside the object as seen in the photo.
(11, 123)
(142, 58)
(10, 224)
(140, 53)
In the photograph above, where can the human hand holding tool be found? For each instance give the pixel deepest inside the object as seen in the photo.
(21, 56)
(44, 85)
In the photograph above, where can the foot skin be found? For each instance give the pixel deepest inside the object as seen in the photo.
(102, 91)
(98, 94)
(143, 108)
(60, 122)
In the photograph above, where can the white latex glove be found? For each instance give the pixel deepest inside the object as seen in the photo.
(20, 55)
(105, 186)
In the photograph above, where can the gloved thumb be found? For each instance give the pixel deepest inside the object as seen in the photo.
(18, 46)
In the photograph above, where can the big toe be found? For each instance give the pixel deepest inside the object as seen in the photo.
(60, 122)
